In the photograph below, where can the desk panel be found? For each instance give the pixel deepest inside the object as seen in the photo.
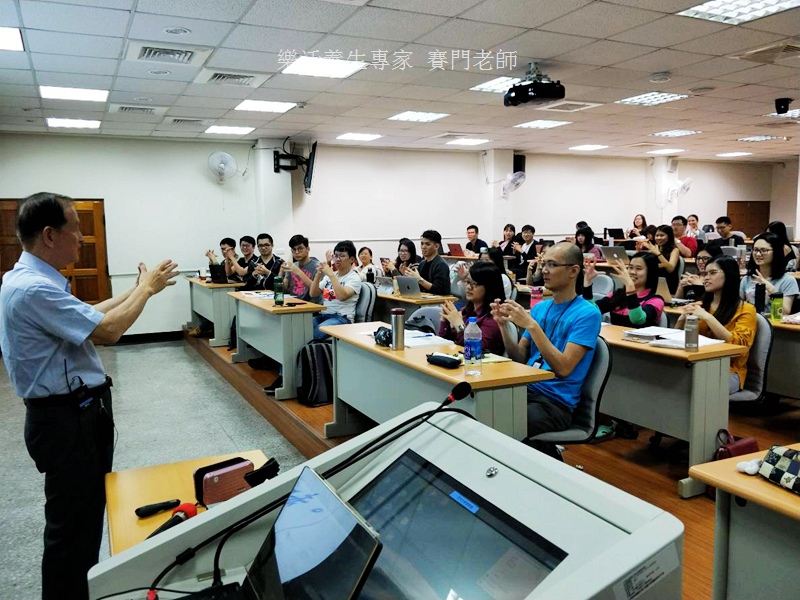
(783, 376)
(211, 300)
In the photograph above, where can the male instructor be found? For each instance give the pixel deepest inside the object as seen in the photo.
(47, 337)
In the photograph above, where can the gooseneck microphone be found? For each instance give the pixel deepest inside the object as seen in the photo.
(179, 515)
(148, 510)
(460, 391)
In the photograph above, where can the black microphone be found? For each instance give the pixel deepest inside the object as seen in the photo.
(179, 515)
(148, 510)
(461, 390)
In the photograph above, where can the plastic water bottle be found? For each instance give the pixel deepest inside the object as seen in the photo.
(473, 347)
(691, 334)
(278, 289)
(536, 295)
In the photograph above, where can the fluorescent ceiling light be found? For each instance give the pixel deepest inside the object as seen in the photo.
(651, 99)
(736, 12)
(543, 124)
(266, 106)
(11, 39)
(468, 142)
(73, 123)
(675, 133)
(359, 137)
(667, 151)
(589, 147)
(226, 130)
(792, 114)
(761, 138)
(314, 66)
(497, 86)
(66, 93)
(419, 117)
(734, 154)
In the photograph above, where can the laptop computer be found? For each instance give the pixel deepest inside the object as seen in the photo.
(384, 285)
(455, 249)
(217, 273)
(615, 234)
(615, 253)
(408, 286)
(663, 291)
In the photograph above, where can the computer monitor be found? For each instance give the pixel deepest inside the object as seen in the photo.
(309, 165)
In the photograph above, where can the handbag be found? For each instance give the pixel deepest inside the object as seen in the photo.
(781, 466)
(728, 446)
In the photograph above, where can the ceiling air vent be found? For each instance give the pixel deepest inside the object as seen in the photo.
(569, 106)
(240, 78)
(780, 53)
(449, 136)
(170, 55)
(644, 145)
(134, 110)
(167, 53)
(186, 122)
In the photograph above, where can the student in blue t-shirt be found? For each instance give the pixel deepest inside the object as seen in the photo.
(560, 336)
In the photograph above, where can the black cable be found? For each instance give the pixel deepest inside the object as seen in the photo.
(145, 589)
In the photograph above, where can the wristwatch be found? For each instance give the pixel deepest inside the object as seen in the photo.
(460, 328)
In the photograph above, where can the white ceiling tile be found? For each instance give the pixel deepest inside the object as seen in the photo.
(760, 73)
(13, 60)
(16, 76)
(21, 120)
(123, 132)
(460, 33)
(293, 116)
(29, 128)
(270, 39)
(229, 10)
(601, 20)
(195, 112)
(468, 97)
(729, 41)
(117, 4)
(140, 70)
(668, 31)
(20, 101)
(81, 110)
(364, 88)
(460, 79)
(445, 8)
(323, 109)
(73, 64)
(348, 100)
(112, 124)
(672, 6)
(10, 89)
(605, 76)
(211, 90)
(129, 84)
(94, 82)
(389, 24)
(662, 60)
(605, 53)
(52, 42)
(74, 19)
(356, 48)
(244, 60)
(276, 95)
(299, 82)
(713, 67)
(544, 44)
(204, 33)
(522, 13)
(791, 82)
(131, 98)
(206, 102)
(784, 23)
(8, 14)
(174, 134)
(424, 92)
(307, 15)
(20, 111)
(368, 112)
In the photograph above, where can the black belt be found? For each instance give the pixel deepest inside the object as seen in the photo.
(80, 397)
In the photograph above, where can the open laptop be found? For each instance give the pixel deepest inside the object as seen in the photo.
(408, 286)
(663, 291)
(615, 253)
(615, 234)
(455, 249)
(384, 285)
(217, 273)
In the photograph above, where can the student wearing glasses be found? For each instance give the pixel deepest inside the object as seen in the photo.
(691, 284)
(339, 289)
(523, 252)
(483, 285)
(406, 257)
(779, 229)
(723, 315)
(767, 266)
(242, 269)
(560, 336)
(267, 264)
(300, 273)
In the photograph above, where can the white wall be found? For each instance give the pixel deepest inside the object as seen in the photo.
(785, 195)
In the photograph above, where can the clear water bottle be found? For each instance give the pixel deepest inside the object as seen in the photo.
(536, 295)
(691, 333)
(473, 347)
(278, 289)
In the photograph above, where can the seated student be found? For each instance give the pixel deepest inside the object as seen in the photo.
(474, 243)
(693, 230)
(779, 229)
(268, 265)
(767, 266)
(523, 252)
(300, 273)
(686, 245)
(691, 284)
(507, 245)
(723, 315)
(406, 257)
(367, 266)
(637, 305)
(433, 273)
(483, 286)
(533, 274)
(584, 239)
(495, 256)
(339, 289)
(225, 245)
(649, 234)
(639, 223)
(242, 269)
(667, 255)
(560, 336)
(726, 236)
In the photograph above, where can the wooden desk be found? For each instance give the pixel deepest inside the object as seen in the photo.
(276, 331)
(128, 490)
(382, 383)
(756, 533)
(210, 300)
(679, 393)
(384, 304)
(783, 376)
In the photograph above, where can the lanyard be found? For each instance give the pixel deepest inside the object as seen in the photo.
(561, 316)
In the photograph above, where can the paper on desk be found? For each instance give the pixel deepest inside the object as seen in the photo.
(253, 294)
(427, 339)
(676, 340)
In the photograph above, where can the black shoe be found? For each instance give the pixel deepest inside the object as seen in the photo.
(262, 363)
(278, 383)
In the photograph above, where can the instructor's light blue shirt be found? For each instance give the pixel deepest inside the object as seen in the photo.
(41, 326)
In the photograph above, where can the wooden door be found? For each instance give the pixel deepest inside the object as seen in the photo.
(89, 276)
(750, 217)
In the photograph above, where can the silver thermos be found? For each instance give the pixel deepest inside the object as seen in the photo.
(691, 333)
(398, 328)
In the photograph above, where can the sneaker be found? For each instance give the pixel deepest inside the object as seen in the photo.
(278, 383)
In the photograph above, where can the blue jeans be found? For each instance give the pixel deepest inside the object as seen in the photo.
(327, 319)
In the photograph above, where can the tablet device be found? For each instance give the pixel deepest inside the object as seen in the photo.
(614, 253)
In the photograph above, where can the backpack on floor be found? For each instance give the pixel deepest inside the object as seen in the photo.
(315, 373)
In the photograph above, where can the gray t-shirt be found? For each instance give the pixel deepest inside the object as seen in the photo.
(786, 285)
(345, 308)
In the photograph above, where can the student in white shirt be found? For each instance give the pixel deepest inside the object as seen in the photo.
(339, 289)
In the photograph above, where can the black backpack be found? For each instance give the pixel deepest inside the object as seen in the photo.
(315, 373)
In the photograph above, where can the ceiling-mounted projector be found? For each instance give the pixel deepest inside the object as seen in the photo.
(536, 88)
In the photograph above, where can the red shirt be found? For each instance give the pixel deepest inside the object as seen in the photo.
(492, 338)
(690, 243)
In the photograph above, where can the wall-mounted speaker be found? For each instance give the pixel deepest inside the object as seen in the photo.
(519, 163)
(672, 164)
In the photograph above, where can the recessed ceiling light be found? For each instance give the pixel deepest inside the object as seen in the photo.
(143, 99)
(733, 154)
(314, 66)
(227, 130)
(736, 12)
(588, 147)
(266, 106)
(468, 142)
(660, 77)
(675, 133)
(73, 123)
(543, 124)
(359, 137)
(651, 99)
(177, 30)
(792, 114)
(667, 151)
(418, 117)
(11, 39)
(762, 138)
(66, 93)
(497, 86)
(159, 72)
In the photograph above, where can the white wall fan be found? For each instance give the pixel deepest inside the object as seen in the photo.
(678, 189)
(512, 182)
(222, 165)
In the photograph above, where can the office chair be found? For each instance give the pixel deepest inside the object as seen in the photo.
(603, 284)
(366, 302)
(755, 384)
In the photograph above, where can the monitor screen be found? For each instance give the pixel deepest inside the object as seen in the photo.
(312, 156)
(443, 541)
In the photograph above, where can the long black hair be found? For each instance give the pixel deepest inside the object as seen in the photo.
(650, 282)
(489, 276)
(496, 254)
(779, 229)
(588, 239)
(412, 252)
(779, 259)
(667, 249)
(729, 298)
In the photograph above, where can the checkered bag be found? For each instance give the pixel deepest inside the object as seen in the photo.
(782, 466)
